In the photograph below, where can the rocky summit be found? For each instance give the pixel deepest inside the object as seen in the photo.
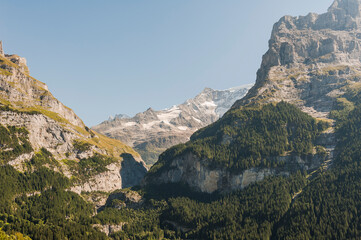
(152, 132)
(312, 63)
(45, 133)
(311, 60)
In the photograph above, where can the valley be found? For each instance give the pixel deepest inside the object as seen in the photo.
(279, 159)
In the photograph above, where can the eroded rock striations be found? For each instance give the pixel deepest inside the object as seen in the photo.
(151, 132)
(55, 130)
(311, 62)
(190, 169)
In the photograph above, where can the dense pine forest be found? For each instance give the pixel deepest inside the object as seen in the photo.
(37, 204)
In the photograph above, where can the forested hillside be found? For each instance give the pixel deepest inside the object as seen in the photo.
(307, 205)
(283, 163)
(250, 137)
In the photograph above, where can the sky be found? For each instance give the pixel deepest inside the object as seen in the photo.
(105, 57)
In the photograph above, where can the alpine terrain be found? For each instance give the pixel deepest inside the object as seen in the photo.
(283, 163)
(152, 132)
(313, 62)
(48, 156)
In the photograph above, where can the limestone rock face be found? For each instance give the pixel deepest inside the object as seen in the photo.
(106, 182)
(27, 103)
(119, 175)
(151, 132)
(311, 59)
(191, 170)
(27, 93)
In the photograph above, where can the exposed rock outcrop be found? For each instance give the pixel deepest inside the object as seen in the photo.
(43, 131)
(311, 60)
(109, 229)
(26, 103)
(193, 171)
(125, 198)
(105, 182)
(127, 173)
(28, 94)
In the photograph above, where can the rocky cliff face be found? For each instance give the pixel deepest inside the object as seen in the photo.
(26, 93)
(192, 170)
(127, 173)
(311, 62)
(54, 129)
(151, 132)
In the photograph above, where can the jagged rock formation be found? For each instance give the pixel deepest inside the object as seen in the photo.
(54, 129)
(151, 132)
(312, 62)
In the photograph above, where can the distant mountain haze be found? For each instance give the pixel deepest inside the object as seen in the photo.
(151, 132)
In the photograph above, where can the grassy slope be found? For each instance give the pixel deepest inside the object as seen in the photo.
(113, 147)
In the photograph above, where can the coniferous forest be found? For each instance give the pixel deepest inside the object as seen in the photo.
(281, 162)
(327, 208)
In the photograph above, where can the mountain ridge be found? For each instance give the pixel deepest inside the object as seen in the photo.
(151, 131)
(50, 126)
(302, 52)
(282, 163)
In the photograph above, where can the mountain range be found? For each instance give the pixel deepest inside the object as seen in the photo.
(152, 132)
(285, 157)
(282, 163)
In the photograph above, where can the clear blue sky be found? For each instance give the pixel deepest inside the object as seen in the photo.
(102, 57)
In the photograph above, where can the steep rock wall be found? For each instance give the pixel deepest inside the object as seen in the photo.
(191, 170)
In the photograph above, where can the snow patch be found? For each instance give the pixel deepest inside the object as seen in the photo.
(235, 89)
(150, 124)
(209, 104)
(169, 115)
(129, 124)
